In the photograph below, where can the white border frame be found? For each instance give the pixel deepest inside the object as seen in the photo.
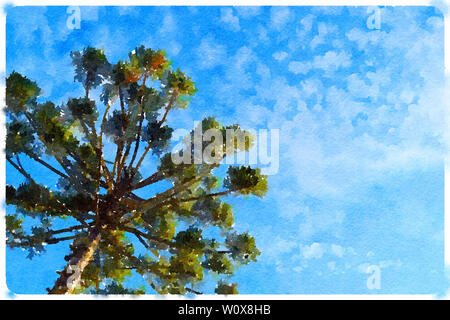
(5, 292)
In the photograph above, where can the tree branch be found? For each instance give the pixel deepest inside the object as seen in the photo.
(138, 269)
(141, 120)
(192, 291)
(169, 106)
(120, 144)
(168, 192)
(31, 241)
(137, 233)
(45, 164)
(21, 170)
(142, 241)
(69, 229)
(148, 181)
(149, 146)
(50, 233)
(136, 147)
(60, 161)
(210, 195)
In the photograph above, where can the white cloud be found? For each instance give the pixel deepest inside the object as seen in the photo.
(307, 22)
(328, 10)
(263, 71)
(113, 40)
(210, 54)
(329, 62)
(358, 87)
(35, 25)
(332, 265)
(280, 55)
(262, 34)
(230, 20)
(127, 10)
(89, 13)
(237, 71)
(310, 87)
(279, 17)
(248, 11)
(362, 268)
(299, 67)
(174, 48)
(390, 263)
(317, 250)
(337, 250)
(277, 247)
(254, 115)
(314, 251)
(363, 38)
(168, 25)
(363, 126)
(324, 31)
(396, 264)
(332, 61)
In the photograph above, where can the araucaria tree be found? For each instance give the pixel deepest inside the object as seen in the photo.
(96, 191)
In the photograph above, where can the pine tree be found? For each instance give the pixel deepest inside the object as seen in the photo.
(98, 189)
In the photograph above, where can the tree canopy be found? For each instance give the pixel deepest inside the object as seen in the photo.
(96, 189)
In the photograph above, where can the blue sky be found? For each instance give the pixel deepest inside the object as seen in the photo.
(361, 119)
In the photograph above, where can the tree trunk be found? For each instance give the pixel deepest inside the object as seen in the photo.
(82, 254)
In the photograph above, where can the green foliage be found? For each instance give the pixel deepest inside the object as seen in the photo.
(54, 134)
(186, 265)
(82, 108)
(246, 180)
(226, 288)
(20, 91)
(97, 187)
(13, 223)
(20, 139)
(213, 211)
(191, 238)
(117, 288)
(177, 80)
(91, 66)
(113, 127)
(32, 199)
(149, 61)
(158, 135)
(151, 100)
(29, 196)
(218, 263)
(242, 247)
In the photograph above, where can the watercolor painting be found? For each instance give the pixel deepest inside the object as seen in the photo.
(225, 150)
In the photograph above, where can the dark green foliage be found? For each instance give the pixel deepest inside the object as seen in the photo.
(219, 263)
(226, 288)
(97, 187)
(213, 211)
(191, 238)
(182, 84)
(13, 223)
(151, 100)
(113, 126)
(158, 135)
(81, 108)
(20, 139)
(242, 247)
(52, 131)
(20, 91)
(91, 66)
(31, 199)
(117, 288)
(246, 180)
